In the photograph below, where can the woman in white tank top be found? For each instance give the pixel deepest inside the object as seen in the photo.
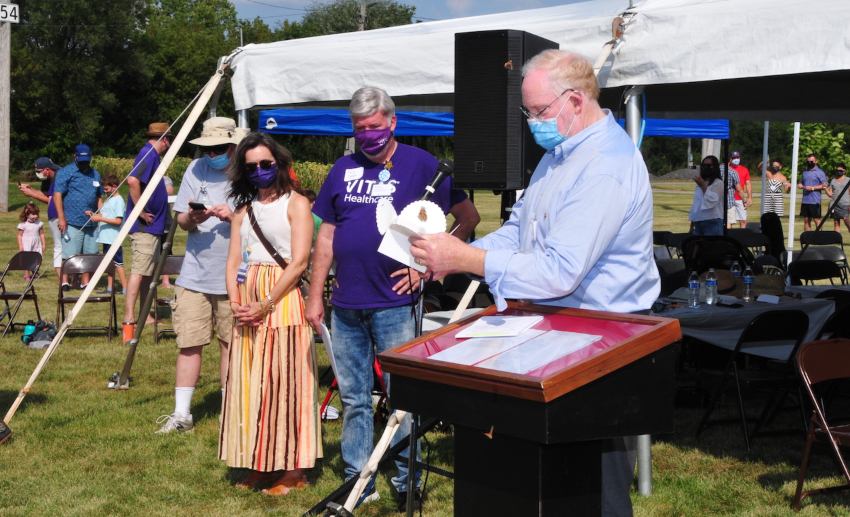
(270, 419)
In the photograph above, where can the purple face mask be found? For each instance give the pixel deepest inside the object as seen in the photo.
(263, 177)
(373, 141)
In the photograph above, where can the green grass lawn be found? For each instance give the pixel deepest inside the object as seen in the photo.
(80, 449)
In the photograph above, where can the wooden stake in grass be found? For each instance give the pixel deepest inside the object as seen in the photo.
(201, 103)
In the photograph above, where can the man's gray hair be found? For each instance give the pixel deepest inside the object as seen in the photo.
(369, 100)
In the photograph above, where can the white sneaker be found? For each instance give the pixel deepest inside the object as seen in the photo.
(368, 498)
(175, 423)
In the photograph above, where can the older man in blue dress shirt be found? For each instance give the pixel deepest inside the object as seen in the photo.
(581, 235)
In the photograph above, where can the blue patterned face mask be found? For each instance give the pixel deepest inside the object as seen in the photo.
(218, 162)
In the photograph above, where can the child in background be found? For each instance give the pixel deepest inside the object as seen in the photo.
(30, 232)
(109, 222)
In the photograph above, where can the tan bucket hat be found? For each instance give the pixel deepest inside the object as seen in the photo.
(219, 131)
(157, 129)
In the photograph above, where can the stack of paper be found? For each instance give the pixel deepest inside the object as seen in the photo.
(499, 326)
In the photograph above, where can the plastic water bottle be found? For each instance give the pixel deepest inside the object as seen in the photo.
(711, 287)
(735, 269)
(748, 285)
(693, 290)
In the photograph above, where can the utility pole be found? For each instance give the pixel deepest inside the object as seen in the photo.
(361, 20)
(8, 15)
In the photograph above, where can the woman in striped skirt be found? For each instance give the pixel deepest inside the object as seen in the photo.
(270, 418)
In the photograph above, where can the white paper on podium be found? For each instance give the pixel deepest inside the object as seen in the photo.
(539, 351)
(499, 326)
(473, 351)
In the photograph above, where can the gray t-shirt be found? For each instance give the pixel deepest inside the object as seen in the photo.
(206, 247)
(837, 186)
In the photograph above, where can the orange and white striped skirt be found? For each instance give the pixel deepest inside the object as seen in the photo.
(270, 416)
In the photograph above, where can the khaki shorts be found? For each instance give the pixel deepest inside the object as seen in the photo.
(731, 215)
(145, 248)
(194, 315)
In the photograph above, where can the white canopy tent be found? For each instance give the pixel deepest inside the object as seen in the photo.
(758, 59)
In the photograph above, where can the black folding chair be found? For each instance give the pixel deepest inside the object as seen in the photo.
(172, 266)
(771, 227)
(808, 271)
(819, 363)
(29, 261)
(703, 252)
(773, 336)
(829, 246)
(78, 265)
(755, 242)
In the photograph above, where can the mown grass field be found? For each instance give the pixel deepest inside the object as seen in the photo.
(80, 449)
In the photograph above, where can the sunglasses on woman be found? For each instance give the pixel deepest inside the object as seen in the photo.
(250, 167)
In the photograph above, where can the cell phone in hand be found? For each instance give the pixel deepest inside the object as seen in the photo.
(197, 206)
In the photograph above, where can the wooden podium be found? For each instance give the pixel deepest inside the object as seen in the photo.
(531, 443)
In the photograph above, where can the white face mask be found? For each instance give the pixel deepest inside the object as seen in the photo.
(736, 161)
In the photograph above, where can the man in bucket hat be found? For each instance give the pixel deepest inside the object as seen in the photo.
(146, 232)
(201, 296)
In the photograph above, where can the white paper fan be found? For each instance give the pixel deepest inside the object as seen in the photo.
(422, 217)
(385, 215)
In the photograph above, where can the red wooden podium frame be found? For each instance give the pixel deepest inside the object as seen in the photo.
(532, 444)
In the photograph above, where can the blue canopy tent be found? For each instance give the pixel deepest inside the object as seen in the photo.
(336, 122)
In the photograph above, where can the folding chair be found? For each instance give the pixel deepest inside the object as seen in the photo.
(838, 325)
(20, 261)
(774, 336)
(771, 227)
(755, 242)
(768, 265)
(78, 265)
(829, 245)
(172, 266)
(819, 362)
(808, 271)
(703, 252)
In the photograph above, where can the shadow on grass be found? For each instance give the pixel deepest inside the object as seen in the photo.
(7, 397)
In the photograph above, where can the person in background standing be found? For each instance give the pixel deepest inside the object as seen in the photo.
(45, 170)
(744, 199)
(707, 208)
(108, 224)
(201, 307)
(77, 190)
(30, 232)
(812, 183)
(146, 232)
(841, 212)
(777, 185)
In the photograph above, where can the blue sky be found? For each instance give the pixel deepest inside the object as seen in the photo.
(275, 11)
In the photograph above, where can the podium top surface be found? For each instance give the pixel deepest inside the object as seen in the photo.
(623, 339)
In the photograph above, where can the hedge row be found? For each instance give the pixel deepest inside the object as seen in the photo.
(310, 174)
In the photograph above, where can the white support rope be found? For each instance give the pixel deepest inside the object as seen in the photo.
(201, 103)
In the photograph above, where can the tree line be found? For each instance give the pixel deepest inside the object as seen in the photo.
(98, 71)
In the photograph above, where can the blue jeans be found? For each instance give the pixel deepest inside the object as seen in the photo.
(79, 240)
(357, 336)
(708, 227)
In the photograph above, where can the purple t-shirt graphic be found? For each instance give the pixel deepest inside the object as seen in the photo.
(348, 199)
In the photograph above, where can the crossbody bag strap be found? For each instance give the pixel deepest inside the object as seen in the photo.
(265, 242)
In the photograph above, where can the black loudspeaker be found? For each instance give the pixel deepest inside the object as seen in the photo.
(493, 147)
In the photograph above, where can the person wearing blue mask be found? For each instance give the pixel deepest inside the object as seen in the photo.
(147, 231)
(204, 210)
(581, 234)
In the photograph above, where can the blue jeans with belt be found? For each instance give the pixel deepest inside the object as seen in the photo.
(357, 336)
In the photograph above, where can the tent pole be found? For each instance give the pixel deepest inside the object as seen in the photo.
(644, 442)
(795, 156)
(764, 158)
(242, 118)
(122, 234)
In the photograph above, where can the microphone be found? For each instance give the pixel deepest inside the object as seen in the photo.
(444, 168)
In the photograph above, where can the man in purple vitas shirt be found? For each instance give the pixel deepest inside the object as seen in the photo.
(146, 232)
(372, 295)
(813, 182)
